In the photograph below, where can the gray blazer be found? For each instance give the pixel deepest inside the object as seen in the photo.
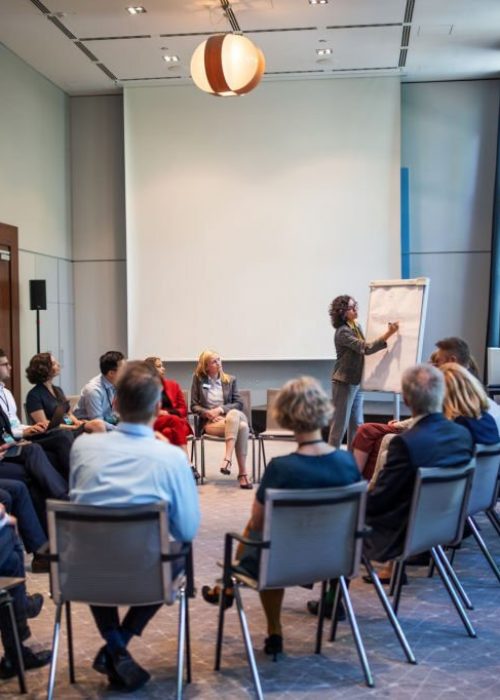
(230, 393)
(351, 351)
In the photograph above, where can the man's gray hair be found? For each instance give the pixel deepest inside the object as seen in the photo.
(423, 389)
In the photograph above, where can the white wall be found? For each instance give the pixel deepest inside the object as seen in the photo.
(449, 136)
(98, 204)
(34, 196)
(245, 217)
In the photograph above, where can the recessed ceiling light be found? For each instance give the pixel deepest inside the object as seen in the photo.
(171, 59)
(139, 10)
(323, 52)
(318, 2)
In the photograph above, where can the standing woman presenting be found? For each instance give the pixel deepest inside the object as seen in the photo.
(351, 347)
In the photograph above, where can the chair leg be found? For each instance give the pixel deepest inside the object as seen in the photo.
(335, 621)
(389, 611)
(355, 633)
(454, 578)
(181, 642)
(321, 618)
(494, 519)
(55, 649)
(220, 628)
(194, 454)
(394, 575)
(398, 586)
(248, 642)
(453, 551)
(20, 662)
(71, 658)
(253, 458)
(430, 570)
(202, 454)
(484, 549)
(188, 642)
(451, 592)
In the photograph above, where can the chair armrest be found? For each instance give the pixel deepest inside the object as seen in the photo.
(228, 553)
(186, 553)
(364, 533)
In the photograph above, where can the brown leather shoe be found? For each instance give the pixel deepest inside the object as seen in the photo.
(244, 483)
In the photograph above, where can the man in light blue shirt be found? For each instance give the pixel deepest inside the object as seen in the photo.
(130, 466)
(98, 395)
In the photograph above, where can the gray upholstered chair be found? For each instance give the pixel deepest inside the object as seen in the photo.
(309, 536)
(437, 516)
(116, 556)
(273, 431)
(247, 410)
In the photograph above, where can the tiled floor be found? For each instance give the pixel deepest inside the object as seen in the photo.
(450, 664)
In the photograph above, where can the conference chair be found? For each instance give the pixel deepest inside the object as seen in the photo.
(6, 583)
(273, 431)
(116, 556)
(298, 548)
(203, 436)
(437, 516)
(483, 496)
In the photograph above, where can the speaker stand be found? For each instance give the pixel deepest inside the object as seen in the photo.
(38, 331)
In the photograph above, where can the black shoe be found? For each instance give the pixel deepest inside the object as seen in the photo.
(273, 645)
(213, 597)
(34, 604)
(102, 662)
(40, 564)
(126, 671)
(385, 579)
(313, 608)
(8, 665)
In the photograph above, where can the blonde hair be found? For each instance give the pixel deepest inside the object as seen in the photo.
(151, 362)
(302, 406)
(464, 395)
(201, 367)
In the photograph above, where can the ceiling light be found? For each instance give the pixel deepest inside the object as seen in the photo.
(318, 2)
(139, 10)
(227, 65)
(323, 52)
(171, 59)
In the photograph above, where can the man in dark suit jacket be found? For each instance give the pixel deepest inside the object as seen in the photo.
(432, 441)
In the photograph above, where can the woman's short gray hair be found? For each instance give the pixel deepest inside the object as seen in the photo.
(302, 406)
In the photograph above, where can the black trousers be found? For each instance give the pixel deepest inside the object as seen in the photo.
(12, 564)
(17, 501)
(135, 620)
(56, 445)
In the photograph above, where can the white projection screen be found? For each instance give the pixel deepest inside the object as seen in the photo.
(246, 216)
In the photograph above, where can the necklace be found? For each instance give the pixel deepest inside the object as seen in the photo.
(309, 442)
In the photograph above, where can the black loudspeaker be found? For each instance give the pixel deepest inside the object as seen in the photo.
(38, 295)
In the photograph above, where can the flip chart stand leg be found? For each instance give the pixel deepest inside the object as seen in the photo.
(396, 407)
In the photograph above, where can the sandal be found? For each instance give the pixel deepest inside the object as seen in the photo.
(246, 484)
(212, 596)
(227, 469)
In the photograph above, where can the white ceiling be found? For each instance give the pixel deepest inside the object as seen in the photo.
(95, 46)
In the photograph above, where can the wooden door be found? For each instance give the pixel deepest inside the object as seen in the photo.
(9, 304)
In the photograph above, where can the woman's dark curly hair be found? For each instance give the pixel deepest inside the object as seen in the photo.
(39, 369)
(337, 310)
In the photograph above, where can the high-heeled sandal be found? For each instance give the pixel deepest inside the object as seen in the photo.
(273, 645)
(212, 596)
(247, 485)
(227, 469)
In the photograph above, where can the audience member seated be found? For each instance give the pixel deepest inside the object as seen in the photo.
(98, 395)
(16, 499)
(129, 466)
(215, 398)
(172, 420)
(432, 441)
(45, 397)
(56, 444)
(12, 565)
(303, 407)
(466, 403)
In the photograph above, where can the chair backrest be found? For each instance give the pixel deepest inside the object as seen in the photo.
(484, 489)
(110, 556)
(439, 507)
(246, 397)
(315, 535)
(73, 400)
(271, 422)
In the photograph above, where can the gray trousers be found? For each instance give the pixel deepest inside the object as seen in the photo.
(347, 413)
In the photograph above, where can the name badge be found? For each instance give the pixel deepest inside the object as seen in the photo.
(206, 386)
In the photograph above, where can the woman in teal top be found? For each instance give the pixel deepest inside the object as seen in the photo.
(301, 406)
